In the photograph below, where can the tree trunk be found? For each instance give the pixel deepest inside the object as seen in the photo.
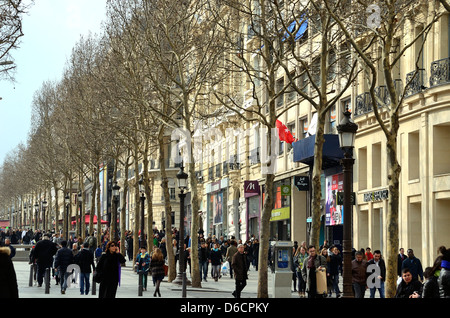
(392, 213)
(172, 273)
(263, 290)
(316, 183)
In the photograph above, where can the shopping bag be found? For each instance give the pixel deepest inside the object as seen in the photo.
(225, 268)
(321, 281)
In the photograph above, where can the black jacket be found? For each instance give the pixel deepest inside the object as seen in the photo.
(405, 290)
(431, 288)
(216, 257)
(43, 252)
(64, 257)
(8, 279)
(382, 266)
(85, 259)
(444, 283)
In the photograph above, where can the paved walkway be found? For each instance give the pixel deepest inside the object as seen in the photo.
(128, 288)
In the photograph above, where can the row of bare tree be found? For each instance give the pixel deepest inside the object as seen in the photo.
(166, 64)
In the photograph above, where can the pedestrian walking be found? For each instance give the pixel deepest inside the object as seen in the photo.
(231, 250)
(204, 256)
(312, 263)
(334, 267)
(8, 278)
(109, 270)
(157, 269)
(378, 261)
(63, 258)
(359, 275)
(43, 256)
(85, 260)
(239, 265)
(298, 260)
(400, 258)
(368, 254)
(143, 266)
(216, 261)
(414, 265)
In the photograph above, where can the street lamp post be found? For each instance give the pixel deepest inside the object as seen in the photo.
(181, 276)
(142, 191)
(115, 191)
(347, 131)
(67, 202)
(44, 208)
(36, 210)
(80, 201)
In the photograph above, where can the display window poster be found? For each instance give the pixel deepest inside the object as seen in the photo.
(333, 211)
(217, 204)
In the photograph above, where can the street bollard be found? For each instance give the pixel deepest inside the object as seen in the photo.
(30, 282)
(94, 285)
(47, 280)
(140, 287)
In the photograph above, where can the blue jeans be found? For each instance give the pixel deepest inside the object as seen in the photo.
(335, 284)
(380, 290)
(63, 279)
(84, 279)
(204, 269)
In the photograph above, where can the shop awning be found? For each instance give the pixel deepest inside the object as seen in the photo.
(331, 156)
(87, 218)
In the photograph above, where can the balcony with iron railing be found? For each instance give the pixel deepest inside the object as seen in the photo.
(415, 82)
(440, 72)
(363, 104)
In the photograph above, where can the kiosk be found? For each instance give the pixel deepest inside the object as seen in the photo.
(282, 273)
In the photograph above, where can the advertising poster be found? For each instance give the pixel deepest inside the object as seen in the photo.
(333, 211)
(218, 207)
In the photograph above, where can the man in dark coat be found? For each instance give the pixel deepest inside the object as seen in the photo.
(43, 256)
(64, 257)
(240, 267)
(378, 261)
(85, 259)
(8, 279)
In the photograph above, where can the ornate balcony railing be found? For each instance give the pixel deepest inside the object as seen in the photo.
(364, 100)
(440, 72)
(416, 80)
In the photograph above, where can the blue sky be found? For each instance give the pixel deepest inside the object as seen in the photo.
(51, 28)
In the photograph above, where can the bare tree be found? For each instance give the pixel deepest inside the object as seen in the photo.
(12, 12)
(386, 32)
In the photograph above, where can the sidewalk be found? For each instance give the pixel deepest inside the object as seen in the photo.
(128, 288)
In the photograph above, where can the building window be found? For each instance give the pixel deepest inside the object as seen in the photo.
(279, 87)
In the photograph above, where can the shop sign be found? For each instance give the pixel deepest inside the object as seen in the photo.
(280, 214)
(301, 182)
(285, 190)
(376, 195)
(251, 187)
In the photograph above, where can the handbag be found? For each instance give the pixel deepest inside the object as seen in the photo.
(98, 277)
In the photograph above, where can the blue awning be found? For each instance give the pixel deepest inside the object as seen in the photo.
(299, 33)
(331, 154)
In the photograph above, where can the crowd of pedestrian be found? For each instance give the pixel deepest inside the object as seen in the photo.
(218, 257)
